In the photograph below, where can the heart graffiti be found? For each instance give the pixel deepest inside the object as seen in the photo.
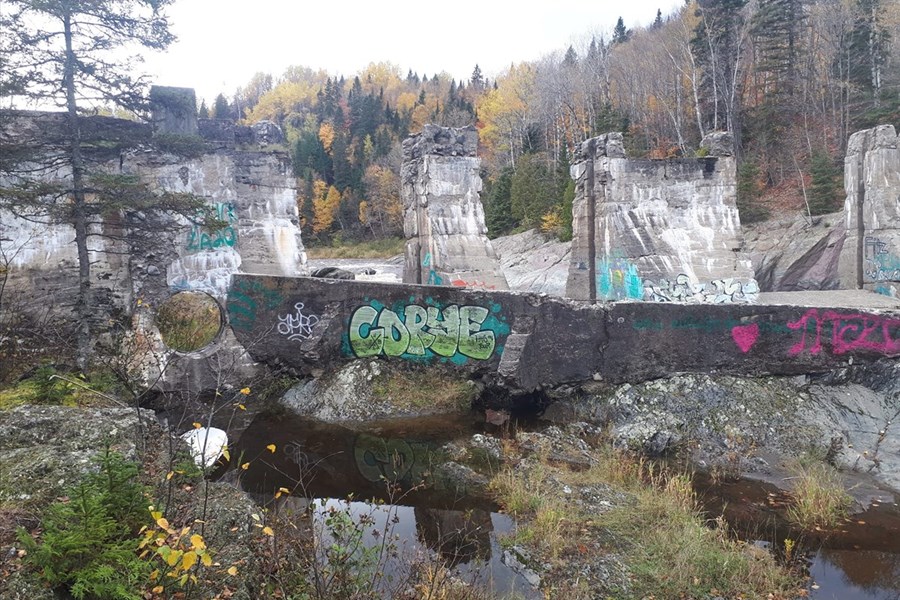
(745, 336)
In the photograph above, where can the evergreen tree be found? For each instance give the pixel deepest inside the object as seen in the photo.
(620, 33)
(203, 113)
(73, 54)
(825, 186)
(658, 21)
(749, 191)
(533, 190)
(221, 109)
(498, 208)
(716, 46)
(477, 80)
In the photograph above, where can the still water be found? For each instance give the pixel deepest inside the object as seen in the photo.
(392, 472)
(428, 511)
(859, 560)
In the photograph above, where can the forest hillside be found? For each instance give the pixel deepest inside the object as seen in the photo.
(791, 79)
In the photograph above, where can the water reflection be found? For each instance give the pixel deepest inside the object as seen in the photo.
(855, 575)
(858, 561)
(396, 467)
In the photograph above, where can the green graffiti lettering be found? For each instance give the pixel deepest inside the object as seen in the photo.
(416, 318)
(446, 330)
(473, 342)
(370, 343)
(396, 337)
(453, 332)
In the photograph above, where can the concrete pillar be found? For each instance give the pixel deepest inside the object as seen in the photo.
(657, 230)
(446, 238)
(174, 110)
(871, 255)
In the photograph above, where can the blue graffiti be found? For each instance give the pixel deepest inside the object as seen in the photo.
(618, 279)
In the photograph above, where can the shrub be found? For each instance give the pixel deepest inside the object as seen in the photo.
(88, 546)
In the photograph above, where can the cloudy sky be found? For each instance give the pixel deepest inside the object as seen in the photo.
(223, 43)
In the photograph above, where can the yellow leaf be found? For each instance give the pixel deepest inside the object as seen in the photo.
(284, 490)
(271, 448)
(139, 302)
(232, 571)
(245, 391)
(183, 580)
(206, 559)
(155, 514)
(277, 495)
(197, 425)
(173, 557)
(154, 574)
(242, 407)
(188, 560)
(197, 542)
(268, 531)
(158, 589)
(163, 523)
(169, 475)
(255, 517)
(245, 466)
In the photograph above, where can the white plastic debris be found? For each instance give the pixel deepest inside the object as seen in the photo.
(206, 445)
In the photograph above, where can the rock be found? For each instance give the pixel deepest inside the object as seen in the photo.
(205, 444)
(460, 479)
(361, 391)
(333, 273)
(266, 133)
(533, 263)
(47, 449)
(511, 558)
(718, 143)
(794, 255)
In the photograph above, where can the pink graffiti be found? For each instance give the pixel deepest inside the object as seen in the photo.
(857, 331)
(745, 336)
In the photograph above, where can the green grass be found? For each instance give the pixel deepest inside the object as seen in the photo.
(432, 389)
(667, 545)
(819, 498)
(42, 388)
(382, 248)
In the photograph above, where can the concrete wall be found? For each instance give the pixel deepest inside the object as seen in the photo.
(527, 341)
(443, 216)
(137, 269)
(656, 230)
(871, 254)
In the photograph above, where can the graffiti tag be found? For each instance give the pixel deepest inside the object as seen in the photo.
(244, 300)
(880, 264)
(848, 332)
(297, 326)
(417, 331)
(226, 236)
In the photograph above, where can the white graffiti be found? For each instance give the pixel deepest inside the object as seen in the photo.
(719, 291)
(297, 326)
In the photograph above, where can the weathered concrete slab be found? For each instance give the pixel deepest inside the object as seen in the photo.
(443, 221)
(656, 230)
(871, 255)
(527, 341)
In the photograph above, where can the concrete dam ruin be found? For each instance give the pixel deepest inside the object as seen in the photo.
(652, 238)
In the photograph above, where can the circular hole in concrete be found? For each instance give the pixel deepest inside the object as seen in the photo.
(189, 321)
